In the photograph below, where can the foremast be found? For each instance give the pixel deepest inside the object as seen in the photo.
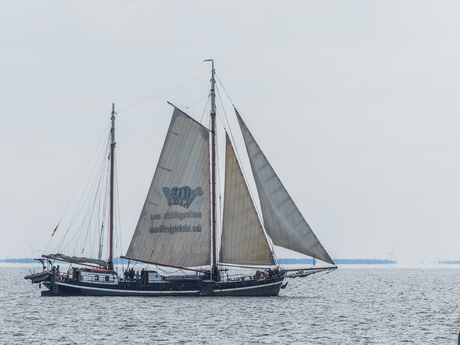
(87, 261)
(213, 173)
(112, 178)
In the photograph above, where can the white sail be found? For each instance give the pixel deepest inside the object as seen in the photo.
(243, 239)
(174, 227)
(283, 221)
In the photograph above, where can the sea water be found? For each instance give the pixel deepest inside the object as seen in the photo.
(348, 306)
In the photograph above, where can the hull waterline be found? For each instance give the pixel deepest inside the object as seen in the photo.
(268, 287)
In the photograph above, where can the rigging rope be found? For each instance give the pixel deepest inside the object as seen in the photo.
(228, 129)
(220, 82)
(78, 185)
(162, 93)
(90, 213)
(117, 221)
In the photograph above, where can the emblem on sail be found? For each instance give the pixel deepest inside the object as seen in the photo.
(183, 196)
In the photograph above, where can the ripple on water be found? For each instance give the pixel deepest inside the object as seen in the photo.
(348, 306)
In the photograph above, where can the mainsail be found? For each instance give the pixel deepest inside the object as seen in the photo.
(283, 221)
(243, 239)
(174, 227)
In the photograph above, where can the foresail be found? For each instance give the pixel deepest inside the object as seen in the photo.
(243, 239)
(174, 227)
(283, 221)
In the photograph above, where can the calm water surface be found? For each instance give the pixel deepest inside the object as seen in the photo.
(348, 306)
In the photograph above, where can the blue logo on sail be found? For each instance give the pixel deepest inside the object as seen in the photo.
(183, 196)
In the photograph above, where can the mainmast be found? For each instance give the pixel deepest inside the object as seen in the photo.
(213, 172)
(112, 164)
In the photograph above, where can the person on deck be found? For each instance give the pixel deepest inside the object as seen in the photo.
(131, 274)
(126, 275)
(138, 277)
(143, 277)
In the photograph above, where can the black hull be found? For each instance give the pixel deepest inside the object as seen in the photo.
(265, 287)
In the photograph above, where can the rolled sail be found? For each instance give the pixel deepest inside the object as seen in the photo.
(243, 239)
(174, 227)
(76, 259)
(283, 221)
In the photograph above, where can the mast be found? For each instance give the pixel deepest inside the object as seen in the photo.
(112, 163)
(213, 172)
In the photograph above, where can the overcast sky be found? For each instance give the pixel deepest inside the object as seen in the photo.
(354, 103)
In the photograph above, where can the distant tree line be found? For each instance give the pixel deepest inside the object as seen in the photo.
(119, 261)
(339, 261)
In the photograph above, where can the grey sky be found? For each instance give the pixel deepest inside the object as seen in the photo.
(354, 103)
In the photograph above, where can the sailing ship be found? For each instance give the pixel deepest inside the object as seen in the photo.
(177, 227)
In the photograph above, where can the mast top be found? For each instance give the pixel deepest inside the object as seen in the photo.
(112, 130)
(213, 92)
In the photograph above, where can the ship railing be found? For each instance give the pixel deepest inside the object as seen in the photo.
(100, 279)
(237, 277)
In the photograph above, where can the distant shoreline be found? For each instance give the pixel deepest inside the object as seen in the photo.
(119, 261)
(116, 261)
(339, 261)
